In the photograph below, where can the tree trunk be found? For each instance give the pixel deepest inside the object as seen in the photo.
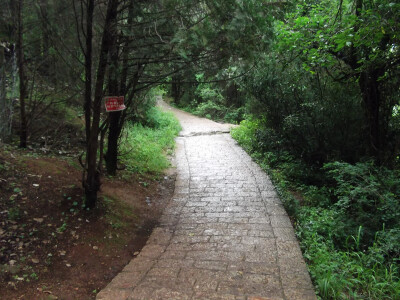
(88, 68)
(117, 118)
(3, 100)
(176, 89)
(92, 183)
(45, 54)
(369, 86)
(112, 145)
(22, 80)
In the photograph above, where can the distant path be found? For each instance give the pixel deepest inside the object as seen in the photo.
(225, 234)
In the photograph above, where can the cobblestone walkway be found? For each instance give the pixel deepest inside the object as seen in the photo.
(224, 235)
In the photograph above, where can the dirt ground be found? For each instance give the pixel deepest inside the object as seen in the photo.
(50, 247)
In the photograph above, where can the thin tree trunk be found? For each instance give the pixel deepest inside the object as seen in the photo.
(112, 145)
(92, 183)
(370, 90)
(22, 80)
(117, 118)
(3, 100)
(88, 68)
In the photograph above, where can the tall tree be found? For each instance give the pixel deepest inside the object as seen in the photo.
(92, 181)
(351, 40)
(22, 75)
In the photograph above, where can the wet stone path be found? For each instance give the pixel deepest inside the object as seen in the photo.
(225, 233)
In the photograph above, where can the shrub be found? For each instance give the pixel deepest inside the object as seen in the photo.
(214, 110)
(143, 149)
(367, 196)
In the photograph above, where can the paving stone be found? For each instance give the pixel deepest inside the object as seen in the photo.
(212, 296)
(215, 255)
(173, 254)
(300, 294)
(271, 287)
(152, 250)
(126, 280)
(296, 280)
(114, 293)
(267, 233)
(224, 235)
(256, 268)
(288, 249)
(160, 236)
(140, 264)
(284, 234)
(170, 272)
(174, 263)
(211, 265)
(280, 221)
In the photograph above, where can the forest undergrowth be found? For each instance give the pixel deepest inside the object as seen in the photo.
(346, 218)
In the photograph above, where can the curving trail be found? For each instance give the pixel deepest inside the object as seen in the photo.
(225, 233)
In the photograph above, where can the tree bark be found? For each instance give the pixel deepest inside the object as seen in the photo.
(112, 145)
(88, 68)
(3, 101)
(176, 89)
(117, 118)
(370, 91)
(22, 80)
(92, 182)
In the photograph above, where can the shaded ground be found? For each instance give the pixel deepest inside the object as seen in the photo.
(50, 248)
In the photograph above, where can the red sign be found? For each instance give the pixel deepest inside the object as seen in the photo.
(114, 103)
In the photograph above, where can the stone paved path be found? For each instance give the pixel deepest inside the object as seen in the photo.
(224, 235)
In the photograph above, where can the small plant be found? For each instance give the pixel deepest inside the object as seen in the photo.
(34, 276)
(14, 213)
(116, 225)
(62, 228)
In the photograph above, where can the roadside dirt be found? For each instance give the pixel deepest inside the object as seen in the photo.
(50, 247)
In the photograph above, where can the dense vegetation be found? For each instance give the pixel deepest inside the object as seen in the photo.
(315, 81)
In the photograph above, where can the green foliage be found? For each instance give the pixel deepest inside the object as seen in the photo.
(144, 149)
(142, 107)
(327, 30)
(348, 225)
(366, 196)
(207, 100)
(345, 274)
(353, 42)
(310, 116)
(210, 110)
(245, 134)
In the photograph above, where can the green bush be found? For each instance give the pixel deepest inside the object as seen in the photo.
(312, 116)
(345, 274)
(367, 196)
(245, 134)
(144, 148)
(214, 110)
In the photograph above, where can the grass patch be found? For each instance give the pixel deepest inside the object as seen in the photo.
(145, 148)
